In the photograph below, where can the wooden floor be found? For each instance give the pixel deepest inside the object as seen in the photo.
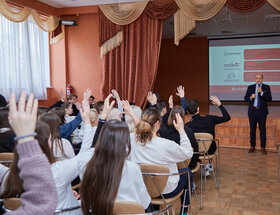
(247, 185)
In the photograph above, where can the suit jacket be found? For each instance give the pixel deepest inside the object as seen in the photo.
(266, 97)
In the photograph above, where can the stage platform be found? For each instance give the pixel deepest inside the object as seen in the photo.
(236, 132)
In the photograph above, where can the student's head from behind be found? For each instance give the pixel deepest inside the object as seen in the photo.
(90, 100)
(103, 173)
(93, 114)
(13, 183)
(72, 98)
(174, 111)
(259, 78)
(60, 112)
(129, 121)
(114, 114)
(67, 106)
(148, 125)
(3, 102)
(99, 106)
(41, 111)
(192, 106)
(161, 106)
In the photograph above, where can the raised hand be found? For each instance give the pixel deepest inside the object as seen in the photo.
(215, 100)
(152, 98)
(62, 96)
(170, 101)
(87, 94)
(180, 91)
(116, 95)
(23, 118)
(84, 111)
(128, 110)
(107, 107)
(179, 123)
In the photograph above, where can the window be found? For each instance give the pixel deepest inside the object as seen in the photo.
(24, 58)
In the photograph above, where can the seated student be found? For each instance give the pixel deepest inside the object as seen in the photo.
(3, 102)
(120, 179)
(168, 131)
(99, 107)
(72, 99)
(147, 147)
(91, 101)
(63, 171)
(7, 135)
(61, 147)
(35, 178)
(201, 124)
(129, 121)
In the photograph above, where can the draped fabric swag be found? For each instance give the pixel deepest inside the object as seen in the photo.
(129, 64)
(244, 5)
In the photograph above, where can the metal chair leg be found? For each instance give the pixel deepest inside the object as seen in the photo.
(278, 158)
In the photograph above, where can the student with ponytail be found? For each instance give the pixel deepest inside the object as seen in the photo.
(147, 147)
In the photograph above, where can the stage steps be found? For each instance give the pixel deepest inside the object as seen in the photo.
(236, 134)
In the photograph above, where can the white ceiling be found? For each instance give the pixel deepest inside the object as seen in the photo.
(228, 22)
(79, 3)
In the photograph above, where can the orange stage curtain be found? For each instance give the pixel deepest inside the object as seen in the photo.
(244, 5)
(131, 67)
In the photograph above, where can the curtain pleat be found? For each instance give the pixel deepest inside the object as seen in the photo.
(131, 67)
(200, 9)
(244, 5)
(275, 4)
(161, 9)
(182, 26)
(123, 13)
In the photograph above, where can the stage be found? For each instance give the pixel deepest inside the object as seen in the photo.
(236, 132)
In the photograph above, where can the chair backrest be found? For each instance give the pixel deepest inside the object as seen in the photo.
(12, 203)
(125, 207)
(154, 182)
(204, 141)
(183, 164)
(6, 157)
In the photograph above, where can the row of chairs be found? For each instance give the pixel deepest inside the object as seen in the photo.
(155, 176)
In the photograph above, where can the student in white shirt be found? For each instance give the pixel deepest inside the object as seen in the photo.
(147, 147)
(109, 176)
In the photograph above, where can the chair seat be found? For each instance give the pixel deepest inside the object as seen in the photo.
(158, 201)
(207, 157)
(194, 170)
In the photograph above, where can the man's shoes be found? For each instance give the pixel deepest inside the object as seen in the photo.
(263, 151)
(209, 167)
(251, 150)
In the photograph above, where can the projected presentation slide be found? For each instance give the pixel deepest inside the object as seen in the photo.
(233, 64)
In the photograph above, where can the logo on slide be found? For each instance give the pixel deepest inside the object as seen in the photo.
(231, 65)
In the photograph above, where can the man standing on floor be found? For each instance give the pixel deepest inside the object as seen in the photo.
(257, 95)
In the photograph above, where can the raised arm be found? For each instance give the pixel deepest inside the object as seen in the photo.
(39, 196)
(128, 110)
(219, 119)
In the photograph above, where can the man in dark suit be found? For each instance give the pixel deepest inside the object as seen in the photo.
(257, 95)
(200, 124)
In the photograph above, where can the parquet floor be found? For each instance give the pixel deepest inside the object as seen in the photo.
(247, 185)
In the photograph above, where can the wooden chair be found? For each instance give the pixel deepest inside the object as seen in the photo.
(204, 141)
(155, 178)
(12, 203)
(278, 160)
(6, 158)
(125, 207)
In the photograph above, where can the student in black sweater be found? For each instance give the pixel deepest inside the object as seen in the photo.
(206, 124)
(168, 131)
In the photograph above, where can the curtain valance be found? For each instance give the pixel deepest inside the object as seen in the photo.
(50, 24)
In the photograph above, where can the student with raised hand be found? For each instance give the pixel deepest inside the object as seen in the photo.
(109, 176)
(147, 147)
(39, 196)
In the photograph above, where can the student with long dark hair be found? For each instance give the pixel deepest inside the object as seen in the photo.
(109, 176)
